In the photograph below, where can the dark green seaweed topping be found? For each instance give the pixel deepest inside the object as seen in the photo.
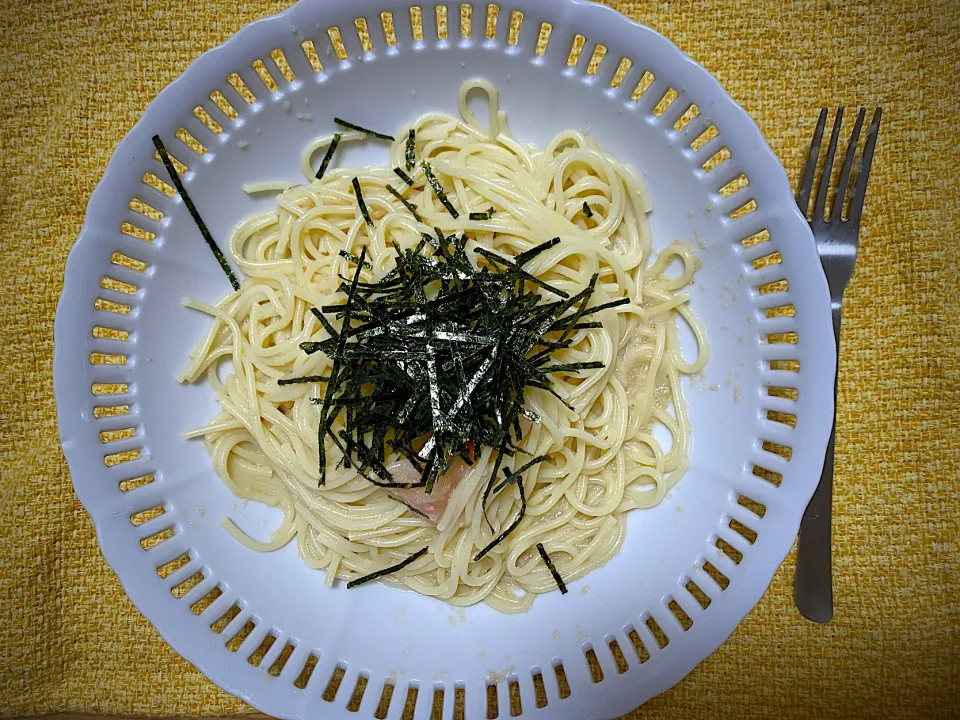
(388, 570)
(431, 361)
(572, 367)
(528, 255)
(504, 262)
(482, 215)
(411, 149)
(438, 190)
(311, 347)
(515, 475)
(351, 126)
(510, 528)
(354, 259)
(329, 156)
(586, 209)
(403, 176)
(406, 203)
(323, 321)
(363, 206)
(605, 306)
(553, 570)
(304, 379)
(326, 415)
(192, 209)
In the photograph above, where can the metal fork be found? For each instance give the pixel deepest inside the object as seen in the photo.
(837, 245)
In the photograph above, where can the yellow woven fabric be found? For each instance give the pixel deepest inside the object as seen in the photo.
(77, 75)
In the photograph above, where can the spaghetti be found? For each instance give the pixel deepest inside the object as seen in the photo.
(601, 459)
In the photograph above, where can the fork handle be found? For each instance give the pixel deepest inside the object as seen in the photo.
(813, 584)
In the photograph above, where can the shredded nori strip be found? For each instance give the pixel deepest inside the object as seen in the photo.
(482, 215)
(361, 203)
(606, 306)
(438, 190)
(528, 255)
(304, 379)
(572, 367)
(586, 209)
(367, 131)
(192, 209)
(403, 176)
(431, 362)
(323, 321)
(411, 149)
(513, 526)
(388, 570)
(500, 260)
(552, 568)
(326, 419)
(329, 156)
(354, 259)
(406, 203)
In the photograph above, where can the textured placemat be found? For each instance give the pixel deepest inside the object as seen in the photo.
(77, 75)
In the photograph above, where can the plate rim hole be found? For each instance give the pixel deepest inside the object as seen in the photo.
(386, 696)
(563, 685)
(306, 671)
(333, 684)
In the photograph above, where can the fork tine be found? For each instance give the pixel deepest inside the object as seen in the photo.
(860, 188)
(847, 167)
(806, 183)
(824, 183)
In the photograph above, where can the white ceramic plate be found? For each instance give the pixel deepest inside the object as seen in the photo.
(122, 333)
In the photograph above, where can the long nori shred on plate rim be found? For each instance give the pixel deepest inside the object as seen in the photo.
(192, 209)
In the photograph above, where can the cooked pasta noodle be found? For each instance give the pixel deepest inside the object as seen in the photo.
(603, 459)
